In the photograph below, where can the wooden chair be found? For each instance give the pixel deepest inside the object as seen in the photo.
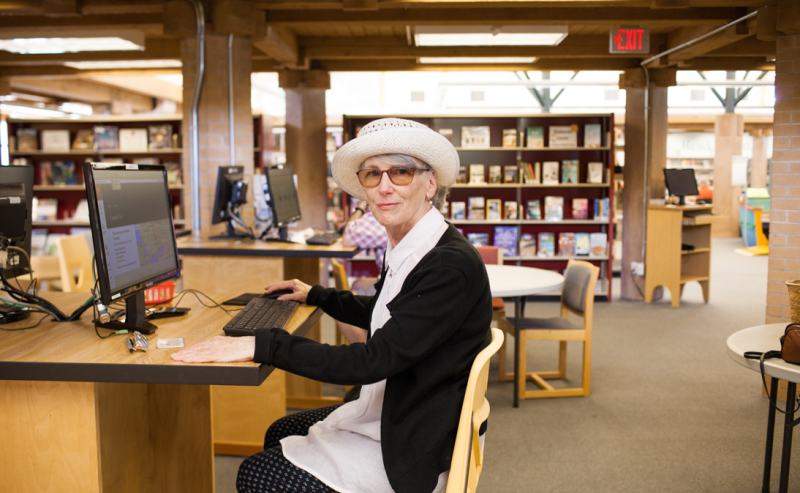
(467, 463)
(74, 253)
(577, 296)
(492, 255)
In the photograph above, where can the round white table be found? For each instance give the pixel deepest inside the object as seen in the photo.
(763, 338)
(512, 281)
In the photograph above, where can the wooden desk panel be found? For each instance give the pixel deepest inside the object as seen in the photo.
(194, 245)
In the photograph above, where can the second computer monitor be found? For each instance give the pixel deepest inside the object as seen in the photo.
(16, 204)
(681, 182)
(283, 198)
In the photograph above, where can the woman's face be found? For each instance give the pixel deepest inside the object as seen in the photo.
(399, 207)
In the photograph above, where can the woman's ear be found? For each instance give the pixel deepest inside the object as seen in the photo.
(431, 191)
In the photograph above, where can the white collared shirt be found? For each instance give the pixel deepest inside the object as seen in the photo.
(344, 449)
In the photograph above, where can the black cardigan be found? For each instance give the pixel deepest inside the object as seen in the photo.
(440, 322)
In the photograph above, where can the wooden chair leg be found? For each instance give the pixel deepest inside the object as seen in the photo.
(562, 359)
(587, 367)
(521, 364)
(503, 375)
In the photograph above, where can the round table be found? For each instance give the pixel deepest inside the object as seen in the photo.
(512, 281)
(763, 338)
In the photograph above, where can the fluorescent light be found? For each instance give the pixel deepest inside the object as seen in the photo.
(476, 60)
(489, 36)
(14, 110)
(123, 64)
(67, 45)
(78, 108)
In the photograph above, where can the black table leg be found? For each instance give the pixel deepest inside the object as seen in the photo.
(773, 396)
(786, 455)
(517, 317)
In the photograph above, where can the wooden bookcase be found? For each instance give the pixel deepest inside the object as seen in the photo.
(496, 154)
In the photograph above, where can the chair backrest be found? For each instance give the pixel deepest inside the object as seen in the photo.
(577, 294)
(491, 255)
(74, 253)
(467, 463)
(340, 275)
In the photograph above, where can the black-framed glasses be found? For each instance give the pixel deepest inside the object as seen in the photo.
(399, 175)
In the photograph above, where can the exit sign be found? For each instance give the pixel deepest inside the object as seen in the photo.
(629, 40)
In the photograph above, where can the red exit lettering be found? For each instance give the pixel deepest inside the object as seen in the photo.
(629, 39)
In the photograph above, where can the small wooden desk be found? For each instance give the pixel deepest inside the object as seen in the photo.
(81, 414)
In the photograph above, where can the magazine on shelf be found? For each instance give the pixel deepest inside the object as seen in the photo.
(82, 211)
(133, 139)
(550, 173)
(495, 174)
(527, 245)
(591, 135)
(447, 133)
(27, 139)
(554, 208)
(84, 140)
(580, 208)
(63, 173)
(547, 245)
(51, 244)
(601, 209)
(505, 238)
(38, 242)
(511, 210)
(174, 173)
(569, 171)
(476, 174)
(595, 173)
(534, 138)
(160, 136)
(599, 242)
(44, 209)
(458, 210)
(462, 175)
(509, 137)
(477, 211)
(46, 173)
(533, 211)
(563, 136)
(566, 244)
(55, 140)
(475, 137)
(582, 243)
(510, 175)
(478, 239)
(493, 210)
(106, 138)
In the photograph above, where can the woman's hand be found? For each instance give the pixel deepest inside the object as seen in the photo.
(220, 349)
(299, 288)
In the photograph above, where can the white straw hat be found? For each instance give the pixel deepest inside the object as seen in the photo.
(394, 136)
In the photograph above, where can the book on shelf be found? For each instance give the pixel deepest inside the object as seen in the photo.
(509, 137)
(580, 208)
(82, 211)
(133, 139)
(46, 173)
(582, 243)
(64, 173)
(462, 175)
(44, 209)
(550, 173)
(533, 210)
(554, 208)
(27, 139)
(493, 210)
(527, 245)
(495, 174)
(510, 175)
(106, 138)
(563, 136)
(458, 210)
(547, 245)
(38, 242)
(476, 211)
(84, 140)
(569, 171)
(51, 243)
(566, 244)
(536, 171)
(447, 133)
(55, 140)
(511, 210)
(599, 244)
(475, 137)
(476, 174)
(478, 239)
(601, 209)
(147, 161)
(160, 136)
(174, 173)
(591, 135)
(594, 173)
(445, 210)
(534, 138)
(114, 160)
(505, 238)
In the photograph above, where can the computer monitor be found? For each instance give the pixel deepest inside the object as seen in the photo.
(132, 231)
(681, 182)
(282, 198)
(16, 206)
(231, 194)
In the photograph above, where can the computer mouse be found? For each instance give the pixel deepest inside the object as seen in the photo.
(277, 293)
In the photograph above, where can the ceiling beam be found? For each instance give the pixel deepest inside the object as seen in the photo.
(491, 4)
(279, 44)
(44, 24)
(683, 35)
(730, 63)
(145, 85)
(83, 91)
(155, 49)
(748, 47)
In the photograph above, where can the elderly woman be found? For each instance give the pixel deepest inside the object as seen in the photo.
(426, 323)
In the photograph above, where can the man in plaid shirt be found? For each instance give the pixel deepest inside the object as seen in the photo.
(364, 231)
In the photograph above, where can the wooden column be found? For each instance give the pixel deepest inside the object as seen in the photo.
(633, 207)
(758, 165)
(305, 141)
(728, 132)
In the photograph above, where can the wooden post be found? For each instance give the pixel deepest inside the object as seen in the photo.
(728, 131)
(758, 165)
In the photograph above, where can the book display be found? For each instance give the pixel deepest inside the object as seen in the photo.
(543, 183)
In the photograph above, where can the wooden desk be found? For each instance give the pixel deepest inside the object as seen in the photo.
(81, 414)
(247, 266)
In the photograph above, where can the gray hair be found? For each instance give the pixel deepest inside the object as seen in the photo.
(442, 191)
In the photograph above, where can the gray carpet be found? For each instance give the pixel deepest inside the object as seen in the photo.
(669, 411)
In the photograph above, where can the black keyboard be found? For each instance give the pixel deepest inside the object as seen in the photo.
(322, 239)
(260, 313)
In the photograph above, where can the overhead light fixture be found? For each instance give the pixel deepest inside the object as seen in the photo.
(71, 41)
(14, 111)
(124, 64)
(489, 35)
(499, 60)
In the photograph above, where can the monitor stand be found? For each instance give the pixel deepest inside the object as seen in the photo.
(283, 235)
(230, 234)
(134, 317)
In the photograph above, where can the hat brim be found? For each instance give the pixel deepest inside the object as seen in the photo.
(423, 144)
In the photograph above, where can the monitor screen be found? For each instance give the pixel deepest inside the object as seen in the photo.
(283, 196)
(229, 189)
(680, 181)
(16, 204)
(132, 231)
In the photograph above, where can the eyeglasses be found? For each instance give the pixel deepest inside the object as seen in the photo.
(399, 175)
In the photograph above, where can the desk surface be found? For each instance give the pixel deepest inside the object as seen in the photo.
(72, 352)
(507, 281)
(193, 245)
(762, 338)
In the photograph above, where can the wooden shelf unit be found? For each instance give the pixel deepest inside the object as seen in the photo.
(667, 264)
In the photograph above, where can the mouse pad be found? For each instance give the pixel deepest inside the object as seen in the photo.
(242, 299)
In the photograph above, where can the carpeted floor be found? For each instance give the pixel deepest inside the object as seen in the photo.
(669, 411)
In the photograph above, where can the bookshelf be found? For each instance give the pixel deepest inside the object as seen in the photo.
(521, 192)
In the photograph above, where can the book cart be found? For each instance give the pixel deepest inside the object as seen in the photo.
(521, 191)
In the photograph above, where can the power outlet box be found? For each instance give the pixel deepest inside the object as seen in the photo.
(637, 268)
